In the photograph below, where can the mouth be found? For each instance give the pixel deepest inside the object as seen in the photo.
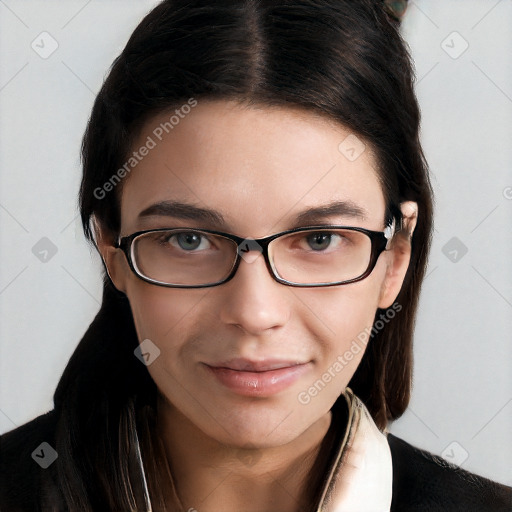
(247, 365)
(258, 378)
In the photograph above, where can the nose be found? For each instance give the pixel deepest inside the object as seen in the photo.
(253, 300)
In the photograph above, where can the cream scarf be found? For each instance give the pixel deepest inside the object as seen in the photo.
(361, 476)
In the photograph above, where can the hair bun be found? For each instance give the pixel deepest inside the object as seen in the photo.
(396, 8)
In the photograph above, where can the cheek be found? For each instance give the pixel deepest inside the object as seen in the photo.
(171, 319)
(341, 319)
(161, 313)
(344, 309)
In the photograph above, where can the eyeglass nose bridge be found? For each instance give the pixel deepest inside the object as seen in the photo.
(249, 249)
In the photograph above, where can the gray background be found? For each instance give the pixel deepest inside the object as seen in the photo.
(462, 398)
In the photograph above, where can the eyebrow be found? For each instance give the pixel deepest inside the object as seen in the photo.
(181, 210)
(310, 215)
(339, 208)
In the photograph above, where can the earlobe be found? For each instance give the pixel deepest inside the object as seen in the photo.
(400, 255)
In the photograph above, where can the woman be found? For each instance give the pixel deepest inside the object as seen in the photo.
(254, 182)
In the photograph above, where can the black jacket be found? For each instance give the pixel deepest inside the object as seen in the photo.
(421, 481)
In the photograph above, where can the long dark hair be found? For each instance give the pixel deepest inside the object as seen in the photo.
(344, 59)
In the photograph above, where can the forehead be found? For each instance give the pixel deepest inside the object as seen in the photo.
(258, 166)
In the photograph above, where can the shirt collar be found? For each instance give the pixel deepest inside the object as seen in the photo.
(361, 475)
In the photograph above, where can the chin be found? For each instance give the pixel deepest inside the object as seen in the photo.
(258, 424)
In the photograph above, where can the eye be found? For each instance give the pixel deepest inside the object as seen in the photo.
(188, 241)
(323, 240)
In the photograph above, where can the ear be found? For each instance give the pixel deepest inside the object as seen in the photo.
(399, 255)
(113, 258)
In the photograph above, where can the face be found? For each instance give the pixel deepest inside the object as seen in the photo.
(238, 360)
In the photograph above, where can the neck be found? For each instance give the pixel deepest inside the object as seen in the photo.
(209, 476)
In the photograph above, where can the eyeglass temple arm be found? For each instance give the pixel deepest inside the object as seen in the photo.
(392, 229)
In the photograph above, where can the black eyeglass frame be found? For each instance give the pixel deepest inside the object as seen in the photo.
(380, 241)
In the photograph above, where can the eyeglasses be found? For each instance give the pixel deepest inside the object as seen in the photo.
(305, 257)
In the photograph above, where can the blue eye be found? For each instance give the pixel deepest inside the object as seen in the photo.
(324, 240)
(188, 241)
(319, 241)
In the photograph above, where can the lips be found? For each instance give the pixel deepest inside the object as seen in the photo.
(257, 378)
(246, 365)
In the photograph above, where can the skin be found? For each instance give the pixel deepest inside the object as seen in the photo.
(258, 167)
